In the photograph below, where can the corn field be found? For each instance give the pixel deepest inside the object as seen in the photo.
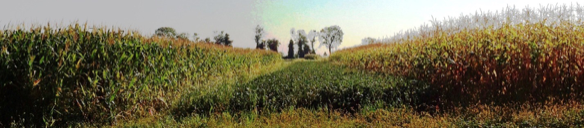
(529, 55)
(56, 75)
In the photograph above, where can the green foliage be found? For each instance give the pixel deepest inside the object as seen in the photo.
(227, 41)
(223, 39)
(312, 56)
(208, 40)
(183, 36)
(273, 44)
(300, 50)
(306, 50)
(56, 76)
(291, 49)
(261, 45)
(310, 84)
(165, 31)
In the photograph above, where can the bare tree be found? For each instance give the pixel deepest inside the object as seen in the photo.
(258, 37)
(312, 37)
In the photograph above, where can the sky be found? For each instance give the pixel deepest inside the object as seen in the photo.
(357, 18)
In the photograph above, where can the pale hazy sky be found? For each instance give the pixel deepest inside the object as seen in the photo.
(357, 18)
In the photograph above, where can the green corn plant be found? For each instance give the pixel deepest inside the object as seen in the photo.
(102, 75)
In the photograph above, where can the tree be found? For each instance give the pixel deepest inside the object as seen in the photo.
(261, 45)
(300, 50)
(273, 44)
(301, 42)
(368, 40)
(165, 31)
(226, 40)
(183, 36)
(291, 49)
(331, 37)
(196, 37)
(306, 49)
(223, 39)
(219, 38)
(259, 33)
(208, 40)
(312, 36)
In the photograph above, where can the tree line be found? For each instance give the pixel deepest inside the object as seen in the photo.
(221, 38)
(261, 44)
(330, 37)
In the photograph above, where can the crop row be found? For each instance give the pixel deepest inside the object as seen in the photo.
(524, 62)
(73, 73)
(308, 84)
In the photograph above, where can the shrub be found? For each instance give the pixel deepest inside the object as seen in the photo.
(312, 56)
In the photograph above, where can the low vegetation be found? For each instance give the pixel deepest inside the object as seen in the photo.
(299, 85)
(312, 56)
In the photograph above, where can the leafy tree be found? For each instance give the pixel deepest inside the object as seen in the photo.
(208, 40)
(219, 38)
(261, 45)
(300, 50)
(306, 50)
(331, 37)
(183, 36)
(301, 42)
(226, 40)
(273, 44)
(291, 49)
(223, 39)
(259, 33)
(165, 31)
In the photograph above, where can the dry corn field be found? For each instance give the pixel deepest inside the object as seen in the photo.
(509, 57)
(510, 68)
